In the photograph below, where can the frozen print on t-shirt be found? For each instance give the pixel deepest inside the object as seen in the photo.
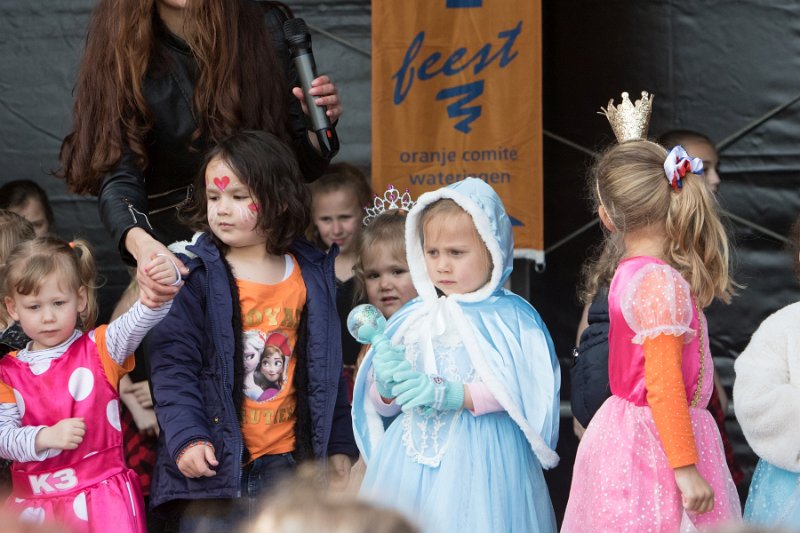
(271, 373)
(254, 342)
(266, 358)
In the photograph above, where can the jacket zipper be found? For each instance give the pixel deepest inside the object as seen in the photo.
(329, 267)
(176, 205)
(132, 210)
(237, 462)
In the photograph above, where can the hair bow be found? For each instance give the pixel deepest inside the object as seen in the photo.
(678, 164)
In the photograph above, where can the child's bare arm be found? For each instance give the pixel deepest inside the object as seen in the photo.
(142, 412)
(141, 391)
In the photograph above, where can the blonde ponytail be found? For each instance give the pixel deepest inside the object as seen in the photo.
(697, 244)
(629, 181)
(87, 272)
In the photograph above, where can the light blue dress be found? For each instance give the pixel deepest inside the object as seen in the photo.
(774, 497)
(453, 471)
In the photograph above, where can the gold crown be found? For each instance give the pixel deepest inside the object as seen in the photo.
(629, 121)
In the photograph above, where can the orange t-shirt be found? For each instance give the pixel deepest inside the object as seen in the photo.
(270, 317)
(114, 371)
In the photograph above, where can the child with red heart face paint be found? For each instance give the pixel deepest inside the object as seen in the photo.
(251, 273)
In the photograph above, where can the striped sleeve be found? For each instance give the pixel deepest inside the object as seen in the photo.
(126, 332)
(18, 443)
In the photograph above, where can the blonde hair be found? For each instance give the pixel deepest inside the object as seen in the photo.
(598, 270)
(629, 183)
(323, 511)
(387, 230)
(33, 260)
(255, 338)
(14, 229)
(447, 209)
(338, 176)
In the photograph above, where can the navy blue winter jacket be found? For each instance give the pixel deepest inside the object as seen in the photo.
(198, 377)
(589, 386)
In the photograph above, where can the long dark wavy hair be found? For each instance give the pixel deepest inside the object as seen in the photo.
(241, 82)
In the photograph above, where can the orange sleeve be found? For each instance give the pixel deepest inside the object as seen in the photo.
(6, 394)
(114, 371)
(666, 395)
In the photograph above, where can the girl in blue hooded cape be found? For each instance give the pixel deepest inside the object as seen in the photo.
(459, 414)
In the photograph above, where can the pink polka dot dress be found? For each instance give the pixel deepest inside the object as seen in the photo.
(89, 489)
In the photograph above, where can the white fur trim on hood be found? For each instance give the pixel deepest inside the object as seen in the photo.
(500, 255)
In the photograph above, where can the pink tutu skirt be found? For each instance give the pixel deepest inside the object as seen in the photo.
(622, 481)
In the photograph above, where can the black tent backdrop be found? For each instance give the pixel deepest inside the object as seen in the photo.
(726, 68)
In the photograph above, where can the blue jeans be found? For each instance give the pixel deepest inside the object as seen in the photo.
(261, 476)
(228, 516)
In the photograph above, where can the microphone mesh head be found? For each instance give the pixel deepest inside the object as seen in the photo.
(295, 30)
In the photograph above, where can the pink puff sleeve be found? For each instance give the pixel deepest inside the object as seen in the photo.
(657, 301)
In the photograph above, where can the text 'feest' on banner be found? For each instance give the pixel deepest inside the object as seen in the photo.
(456, 92)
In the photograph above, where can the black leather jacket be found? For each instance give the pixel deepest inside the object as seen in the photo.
(132, 197)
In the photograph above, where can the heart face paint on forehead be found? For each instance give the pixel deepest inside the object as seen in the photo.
(222, 183)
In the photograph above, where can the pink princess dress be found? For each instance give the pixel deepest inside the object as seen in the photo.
(89, 489)
(622, 480)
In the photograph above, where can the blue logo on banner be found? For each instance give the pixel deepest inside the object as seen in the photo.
(464, 3)
(468, 92)
(459, 60)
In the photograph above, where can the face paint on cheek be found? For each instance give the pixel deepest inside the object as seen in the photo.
(245, 215)
(252, 211)
(212, 213)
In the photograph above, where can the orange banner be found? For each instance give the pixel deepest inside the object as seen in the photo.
(456, 92)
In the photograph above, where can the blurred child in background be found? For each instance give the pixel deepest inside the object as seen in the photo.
(338, 198)
(27, 198)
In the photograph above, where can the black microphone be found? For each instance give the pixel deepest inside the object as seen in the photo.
(299, 40)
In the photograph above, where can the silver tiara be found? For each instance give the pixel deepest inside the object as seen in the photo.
(392, 199)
